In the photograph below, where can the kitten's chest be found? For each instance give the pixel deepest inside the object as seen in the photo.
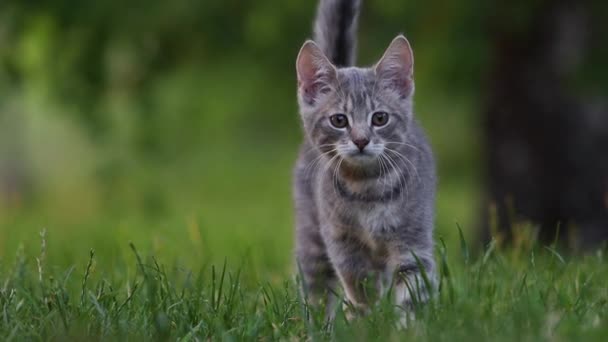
(372, 225)
(377, 219)
(369, 208)
(371, 219)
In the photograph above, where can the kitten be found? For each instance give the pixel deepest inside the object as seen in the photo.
(364, 186)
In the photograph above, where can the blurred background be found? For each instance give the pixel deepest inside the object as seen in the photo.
(173, 124)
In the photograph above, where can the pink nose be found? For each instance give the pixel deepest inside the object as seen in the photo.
(361, 143)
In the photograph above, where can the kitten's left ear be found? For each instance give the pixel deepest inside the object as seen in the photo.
(396, 68)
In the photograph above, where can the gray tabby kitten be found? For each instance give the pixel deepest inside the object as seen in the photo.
(364, 186)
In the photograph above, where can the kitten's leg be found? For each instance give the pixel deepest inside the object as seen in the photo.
(409, 285)
(353, 266)
(318, 276)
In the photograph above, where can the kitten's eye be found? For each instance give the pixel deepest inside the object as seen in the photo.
(379, 119)
(338, 120)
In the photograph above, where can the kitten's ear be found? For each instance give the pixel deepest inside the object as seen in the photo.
(396, 68)
(316, 74)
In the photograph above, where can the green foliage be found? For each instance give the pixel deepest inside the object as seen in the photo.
(154, 112)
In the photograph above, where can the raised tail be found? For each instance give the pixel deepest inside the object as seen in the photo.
(335, 30)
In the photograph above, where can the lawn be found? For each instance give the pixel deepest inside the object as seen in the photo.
(529, 293)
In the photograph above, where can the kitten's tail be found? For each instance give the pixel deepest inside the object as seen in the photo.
(336, 28)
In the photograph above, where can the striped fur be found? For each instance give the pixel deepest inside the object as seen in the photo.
(335, 30)
(362, 214)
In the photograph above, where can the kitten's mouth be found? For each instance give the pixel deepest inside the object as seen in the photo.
(362, 156)
(363, 153)
(356, 156)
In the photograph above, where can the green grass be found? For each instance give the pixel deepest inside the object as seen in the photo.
(513, 294)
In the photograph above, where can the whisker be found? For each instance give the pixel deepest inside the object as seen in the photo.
(335, 175)
(404, 144)
(311, 164)
(402, 181)
(407, 169)
(404, 158)
(328, 164)
(317, 147)
(386, 169)
(381, 164)
(389, 167)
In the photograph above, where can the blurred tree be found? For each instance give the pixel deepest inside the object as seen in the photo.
(546, 120)
(160, 82)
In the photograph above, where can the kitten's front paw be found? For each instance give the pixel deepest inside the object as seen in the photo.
(406, 317)
(353, 311)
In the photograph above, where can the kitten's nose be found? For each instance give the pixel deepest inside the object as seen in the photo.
(361, 143)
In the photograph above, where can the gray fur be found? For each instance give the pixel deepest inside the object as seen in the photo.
(361, 216)
(336, 28)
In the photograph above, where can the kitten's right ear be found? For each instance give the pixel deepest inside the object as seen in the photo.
(316, 74)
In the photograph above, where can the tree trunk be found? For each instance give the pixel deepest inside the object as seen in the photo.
(546, 133)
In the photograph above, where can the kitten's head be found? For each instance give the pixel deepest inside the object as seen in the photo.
(356, 113)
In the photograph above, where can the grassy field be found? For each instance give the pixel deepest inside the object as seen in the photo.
(528, 293)
(200, 248)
